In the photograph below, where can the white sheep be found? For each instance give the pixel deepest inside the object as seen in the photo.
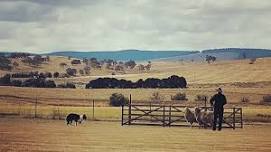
(204, 118)
(189, 116)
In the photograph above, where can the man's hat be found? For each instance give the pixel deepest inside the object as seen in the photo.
(219, 90)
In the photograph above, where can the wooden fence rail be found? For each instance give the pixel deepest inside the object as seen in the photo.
(171, 115)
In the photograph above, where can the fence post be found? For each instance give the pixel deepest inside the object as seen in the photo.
(19, 109)
(130, 109)
(150, 112)
(164, 115)
(241, 117)
(122, 106)
(58, 112)
(233, 117)
(36, 105)
(93, 112)
(169, 119)
(205, 103)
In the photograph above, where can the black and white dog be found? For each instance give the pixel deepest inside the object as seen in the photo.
(75, 117)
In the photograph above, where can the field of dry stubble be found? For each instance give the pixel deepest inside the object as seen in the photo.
(55, 135)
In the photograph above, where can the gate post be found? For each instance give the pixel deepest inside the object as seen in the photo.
(93, 109)
(241, 117)
(122, 106)
(130, 110)
(169, 118)
(205, 103)
(36, 106)
(150, 112)
(233, 118)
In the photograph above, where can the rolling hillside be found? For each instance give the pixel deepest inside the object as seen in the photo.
(195, 72)
(145, 55)
(224, 54)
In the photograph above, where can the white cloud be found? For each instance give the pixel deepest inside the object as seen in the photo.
(38, 25)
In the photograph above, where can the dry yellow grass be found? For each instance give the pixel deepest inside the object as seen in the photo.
(194, 72)
(218, 72)
(85, 95)
(250, 113)
(204, 73)
(44, 135)
(80, 100)
(54, 66)
(202, 78)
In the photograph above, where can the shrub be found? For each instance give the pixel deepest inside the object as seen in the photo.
(119, 68)
(48, 75)
(85, 60)
(81, 72)
(42, 75)
(64, 75)
(266, 99)
(87, 70)
(70, 85)
(16, 83)
(22, 75)
(33, 60)
(75, 62)
(244, 100)
(39, 83)
(5, 80)
(71, 72)
(67, 85)
(130, 64)
(49, 84)
(56, 74)
(5, 63)
(117, 99)
(179, 96)
(201, 97)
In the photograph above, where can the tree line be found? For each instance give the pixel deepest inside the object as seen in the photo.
(173, 81)
(35, 82)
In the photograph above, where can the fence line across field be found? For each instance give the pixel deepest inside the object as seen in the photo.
(138, 113)
(37, 105)
(167, 114)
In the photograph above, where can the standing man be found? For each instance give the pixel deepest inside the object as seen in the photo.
(217, 102)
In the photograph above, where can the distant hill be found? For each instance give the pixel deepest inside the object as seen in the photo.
(225, 54)
(124, 55)
(145, 55)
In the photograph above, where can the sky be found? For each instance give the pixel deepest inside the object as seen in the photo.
(40, 26)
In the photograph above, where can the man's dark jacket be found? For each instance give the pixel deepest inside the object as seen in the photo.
(218, 101)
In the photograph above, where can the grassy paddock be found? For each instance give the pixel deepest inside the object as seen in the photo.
(60, 112)
(80, 101)
(71, 96)
(252, 113)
